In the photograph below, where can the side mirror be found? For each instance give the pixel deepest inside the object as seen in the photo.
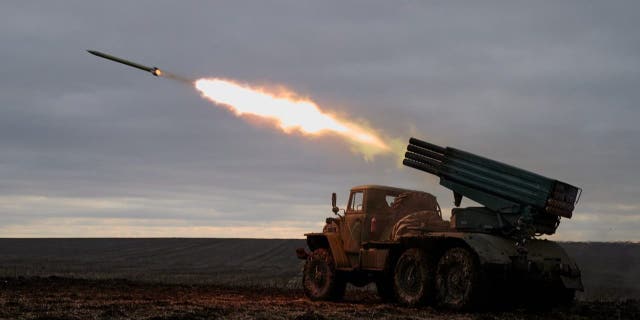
(334, 208)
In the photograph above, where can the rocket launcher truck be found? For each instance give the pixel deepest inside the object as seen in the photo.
(484, 256)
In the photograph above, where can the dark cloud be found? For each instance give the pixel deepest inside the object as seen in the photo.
(548, 86)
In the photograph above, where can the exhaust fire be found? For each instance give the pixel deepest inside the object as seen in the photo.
(289, 112)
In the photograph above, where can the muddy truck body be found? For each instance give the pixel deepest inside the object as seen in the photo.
(483, 256)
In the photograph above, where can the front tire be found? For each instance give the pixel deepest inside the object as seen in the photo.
(320, 279)
(413, 278)
(458, 280)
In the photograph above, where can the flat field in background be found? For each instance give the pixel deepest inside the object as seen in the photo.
(267, 262)
(237, 278)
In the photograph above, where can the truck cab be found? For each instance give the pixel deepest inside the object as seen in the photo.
(372, 211)
(361, 237)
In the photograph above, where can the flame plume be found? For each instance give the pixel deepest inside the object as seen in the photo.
(289, 113)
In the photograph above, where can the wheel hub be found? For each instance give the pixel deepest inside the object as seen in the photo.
(410, 279)
(456, 282)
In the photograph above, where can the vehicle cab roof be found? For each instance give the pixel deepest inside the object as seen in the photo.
(381, 187)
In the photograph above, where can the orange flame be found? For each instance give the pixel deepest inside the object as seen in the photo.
(289, 113)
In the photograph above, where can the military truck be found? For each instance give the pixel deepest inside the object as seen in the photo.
(398, 239)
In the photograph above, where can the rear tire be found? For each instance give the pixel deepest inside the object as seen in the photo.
(413, 278)
(458, 280)
(320, 280)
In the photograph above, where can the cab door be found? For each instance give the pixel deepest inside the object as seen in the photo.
(380, 217)
(355, 222)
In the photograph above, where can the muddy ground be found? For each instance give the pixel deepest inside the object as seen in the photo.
(63, 298)
(245, 279)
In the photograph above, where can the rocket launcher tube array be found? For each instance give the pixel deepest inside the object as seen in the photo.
(492, 183)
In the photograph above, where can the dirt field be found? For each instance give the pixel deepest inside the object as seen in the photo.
(244, 279)
(60, 298)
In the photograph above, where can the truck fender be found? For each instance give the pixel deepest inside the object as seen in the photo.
(331, 241)
(490, 249)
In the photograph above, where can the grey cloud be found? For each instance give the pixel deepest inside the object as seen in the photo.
(548, 86)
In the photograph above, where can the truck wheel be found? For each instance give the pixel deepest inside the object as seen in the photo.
(413, 278)
(320, 280)
(457, 279)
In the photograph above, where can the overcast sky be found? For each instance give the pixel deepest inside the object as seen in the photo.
(92, 148)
